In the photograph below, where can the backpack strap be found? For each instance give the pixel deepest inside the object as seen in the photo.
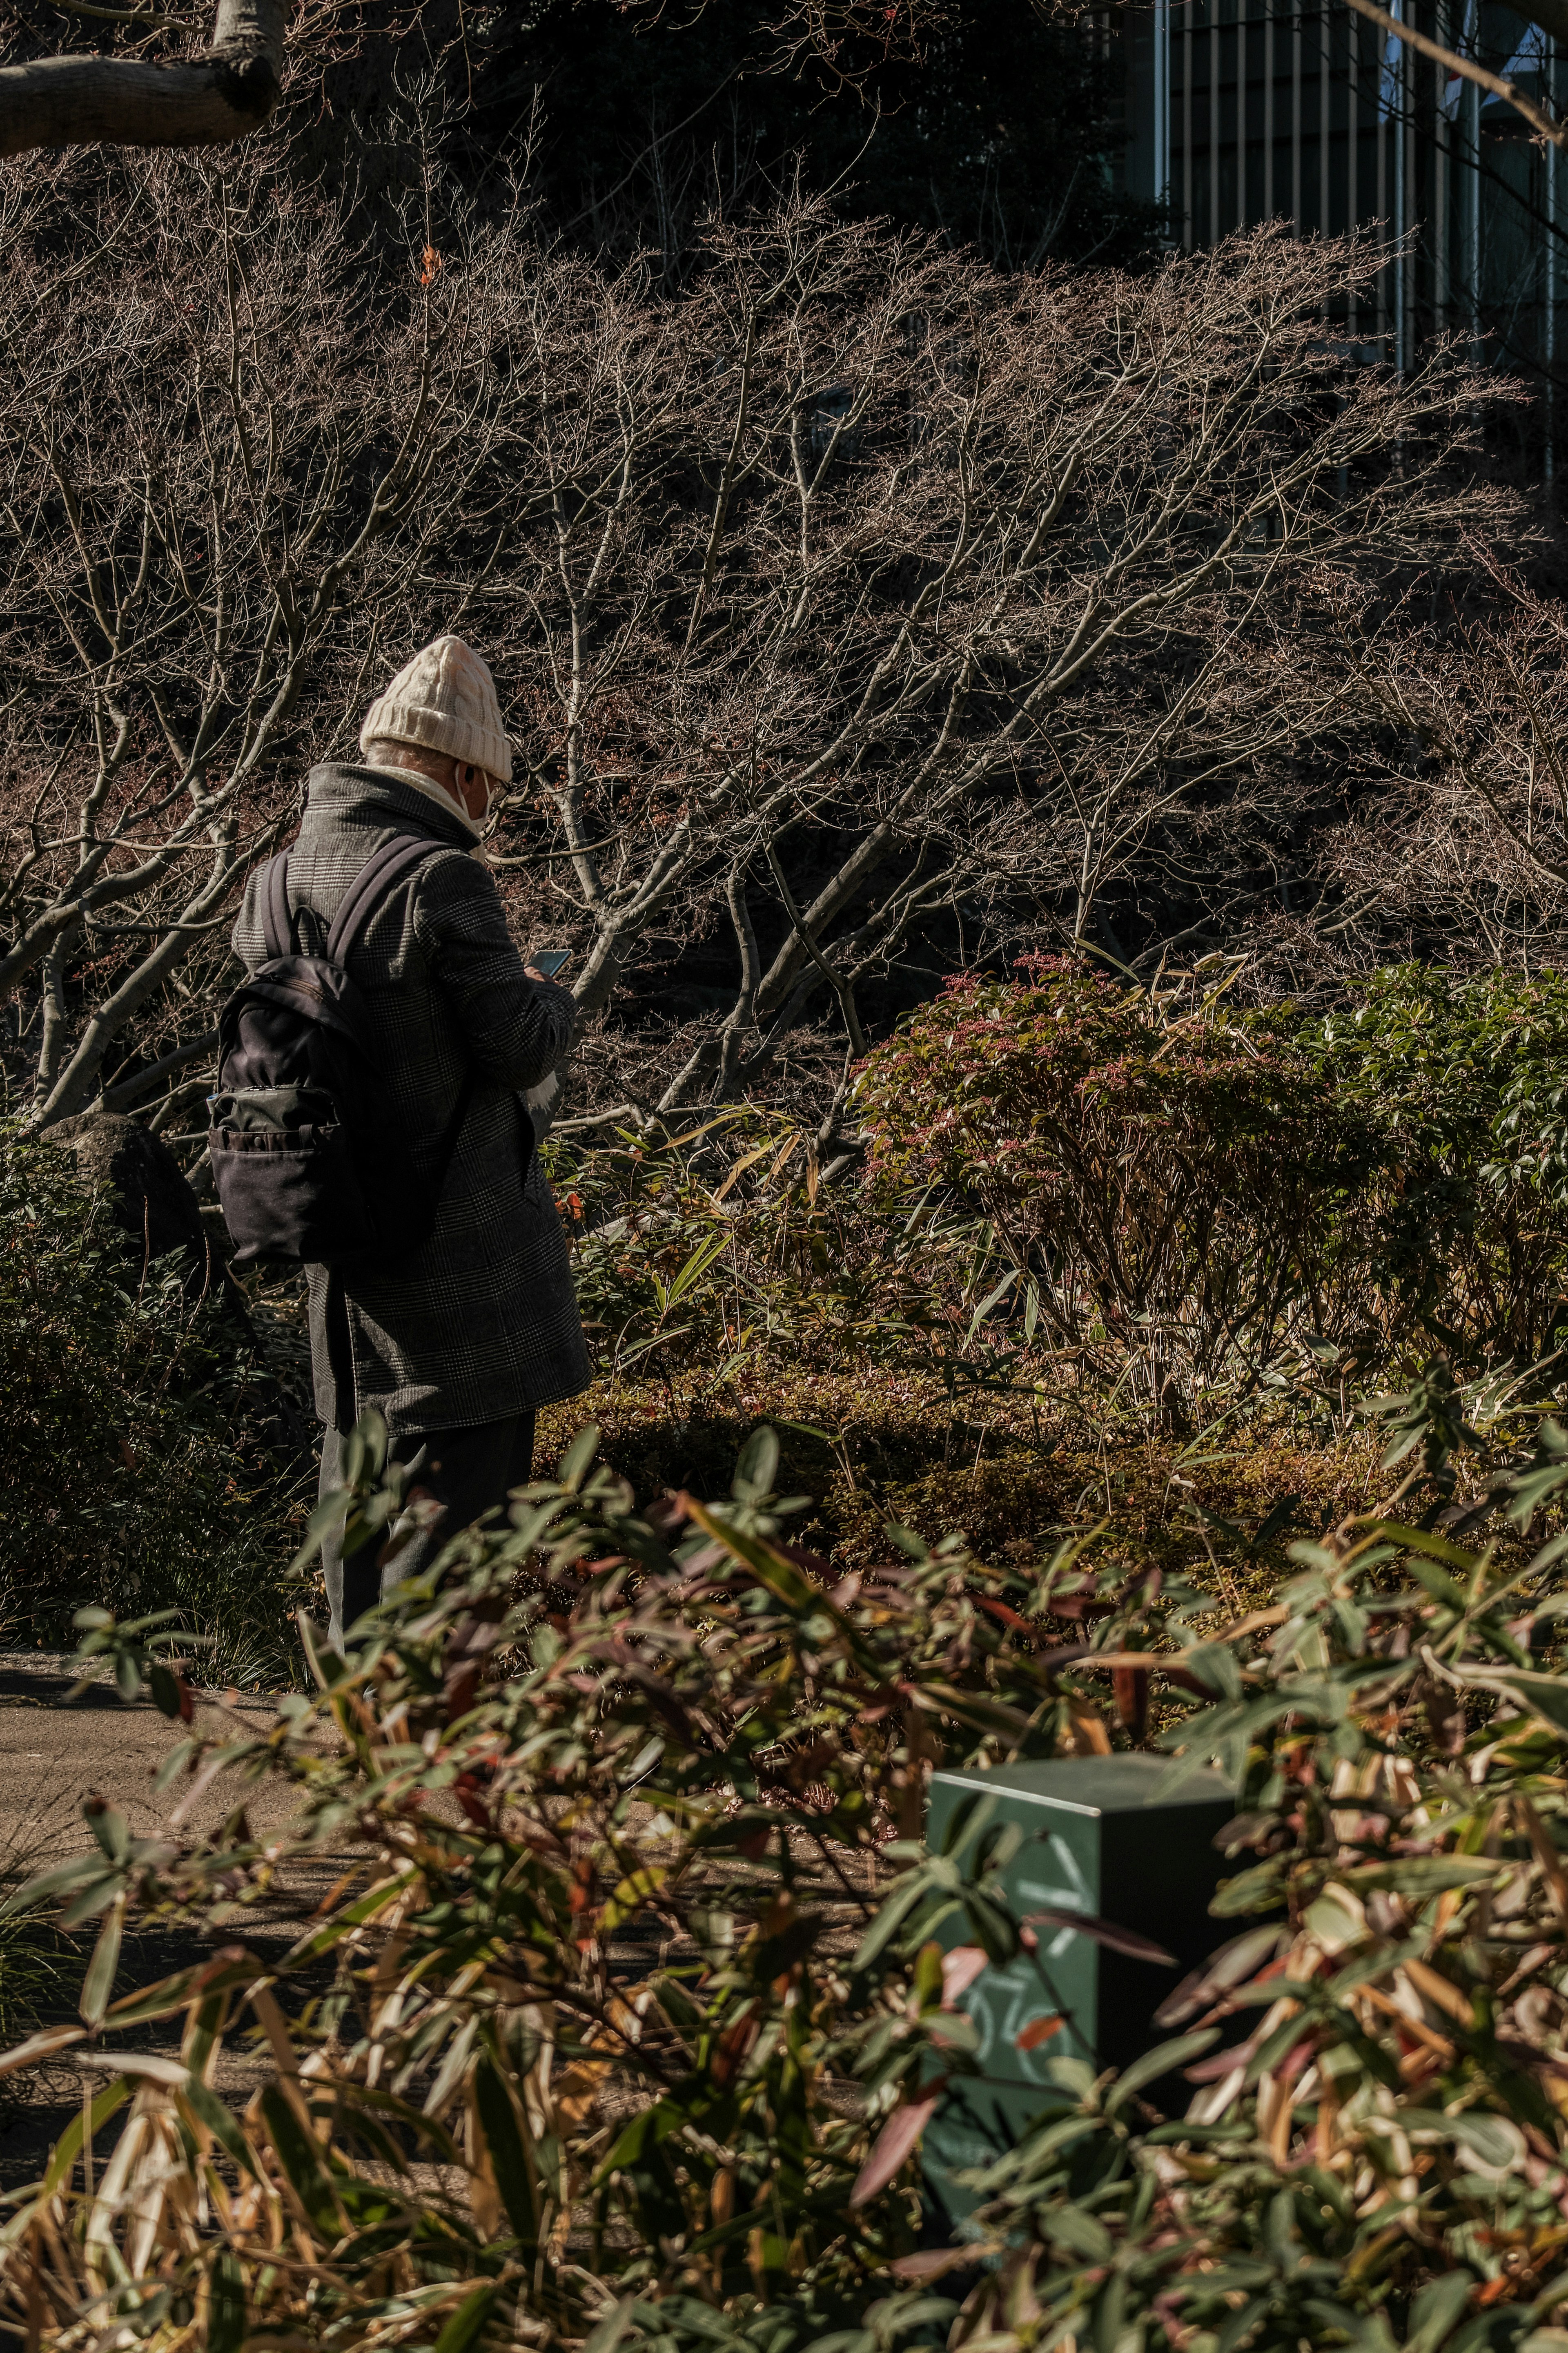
(277, 924)
(376, 877)
(383, 867)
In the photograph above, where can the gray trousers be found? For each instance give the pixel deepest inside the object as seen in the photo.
(468, 1472)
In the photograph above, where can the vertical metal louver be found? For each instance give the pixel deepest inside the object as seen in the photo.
(1243, 110)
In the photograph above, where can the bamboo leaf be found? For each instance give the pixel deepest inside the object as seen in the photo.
(579, 1457)
(631, 1894)
(209, 2112)
(99, 1982)
(225, 2314)
(299, 2158)
(151, 2065)
(55, 1881)
(466, 2326)
(41, 2045)
(781, 1577)
(895, 2145)
(1162, 2060)
(503, 2138)
(67, 2149)
(696, 1266)
(612, 2327)
(748, 1160)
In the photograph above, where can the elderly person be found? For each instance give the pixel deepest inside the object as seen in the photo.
(457, 1344)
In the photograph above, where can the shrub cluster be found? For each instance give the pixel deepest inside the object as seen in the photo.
(1184, 1195)
(1465, 1079)
(137, 1470)
(1087, 1208)
(618, 2030)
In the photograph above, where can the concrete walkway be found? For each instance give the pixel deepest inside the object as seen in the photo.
(54, 1756)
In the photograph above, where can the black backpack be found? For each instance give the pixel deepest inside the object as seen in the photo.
(309, 1162)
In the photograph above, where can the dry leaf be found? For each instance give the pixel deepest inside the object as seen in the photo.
(895, 2145)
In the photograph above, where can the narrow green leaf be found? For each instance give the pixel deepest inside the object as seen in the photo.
(208, 2109)
(466, 2324)
(696, 1266)
(890, 1919)
(757, 1468)
(67, 2148)
(579, 1456)
(1160, 2060)
(164, 1689)
(301, 2159)
(108, 1827)
(503, 2138)
(99, 1982)
(783, 1579)
(55, 1881)
(1438, 2310)
(631, 1895)
(612, 2327)
(225, 2330)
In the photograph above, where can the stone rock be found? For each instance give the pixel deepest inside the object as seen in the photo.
(152, 1204)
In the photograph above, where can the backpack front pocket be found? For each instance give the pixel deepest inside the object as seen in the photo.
(290, 1193)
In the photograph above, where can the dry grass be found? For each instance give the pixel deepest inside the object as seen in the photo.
(891, 1449)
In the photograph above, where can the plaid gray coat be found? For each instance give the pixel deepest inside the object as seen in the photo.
(481, 1322)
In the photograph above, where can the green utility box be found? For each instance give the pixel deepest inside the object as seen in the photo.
(1116, 1837)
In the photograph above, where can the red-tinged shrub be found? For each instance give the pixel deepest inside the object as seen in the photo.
(1176, 1195)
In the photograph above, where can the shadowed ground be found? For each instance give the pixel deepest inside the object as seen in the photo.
(55, 1756)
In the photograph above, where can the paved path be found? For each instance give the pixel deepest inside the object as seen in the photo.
(54, 1756)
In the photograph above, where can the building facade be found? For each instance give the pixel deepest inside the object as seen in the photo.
(1242, 110)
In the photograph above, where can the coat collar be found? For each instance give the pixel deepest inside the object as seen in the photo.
(371, 796)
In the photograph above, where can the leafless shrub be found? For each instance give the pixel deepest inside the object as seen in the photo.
(1462, 848)
(872, 586)
(855, 591)
(241, 470)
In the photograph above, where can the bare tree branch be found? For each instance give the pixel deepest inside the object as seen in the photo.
(1552, 14)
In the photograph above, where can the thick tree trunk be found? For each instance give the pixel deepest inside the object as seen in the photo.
(205, 101)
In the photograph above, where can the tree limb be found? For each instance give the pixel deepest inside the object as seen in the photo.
(146, 1084)
(204, 101)
(1555, 21)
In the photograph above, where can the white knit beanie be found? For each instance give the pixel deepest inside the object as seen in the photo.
(444, 701)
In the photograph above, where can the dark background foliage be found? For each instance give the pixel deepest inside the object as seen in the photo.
(1004, 134)
(138, 1431)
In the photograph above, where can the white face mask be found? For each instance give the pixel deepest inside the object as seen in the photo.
(437, 793)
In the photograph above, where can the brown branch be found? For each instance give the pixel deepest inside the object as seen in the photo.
(1557, 133)
(204, 101)
(146, 1084)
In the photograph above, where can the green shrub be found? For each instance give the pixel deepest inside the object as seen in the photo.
(1384, 2159)
(1187, 1197)
(1464, 1077)
(700, 1255)
(1175, 1197)
(135, 1473)
(615, 1947)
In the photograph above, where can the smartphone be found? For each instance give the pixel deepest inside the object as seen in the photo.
(550, 961)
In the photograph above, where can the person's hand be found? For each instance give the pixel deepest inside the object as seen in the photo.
(533, 972)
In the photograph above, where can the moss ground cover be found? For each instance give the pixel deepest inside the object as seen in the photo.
(865, 1453)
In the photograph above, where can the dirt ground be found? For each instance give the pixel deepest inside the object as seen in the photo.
(55, 1756)
(54, 1753)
